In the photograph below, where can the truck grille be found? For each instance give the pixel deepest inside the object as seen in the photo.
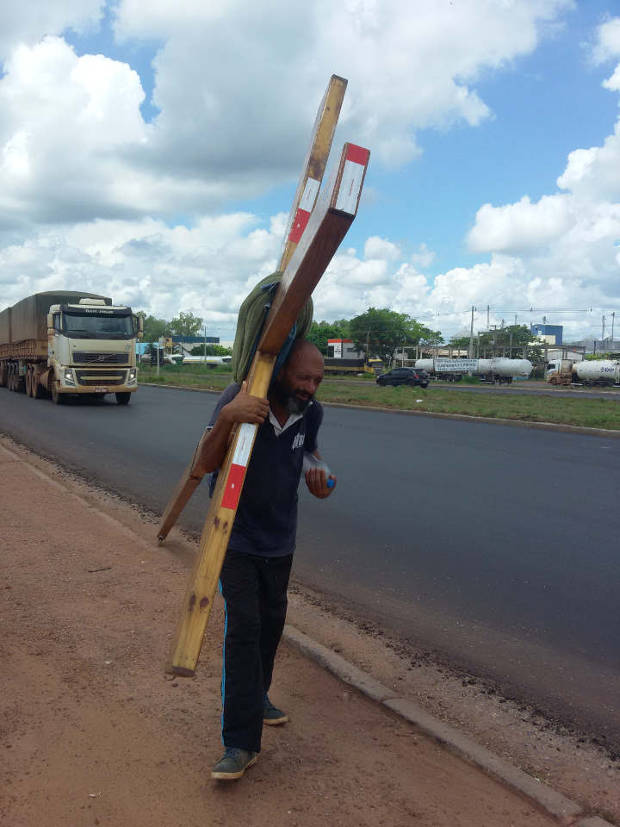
(101, 377)
(85, 356)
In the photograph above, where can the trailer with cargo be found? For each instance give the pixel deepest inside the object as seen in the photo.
(65, 343)
(584, 372)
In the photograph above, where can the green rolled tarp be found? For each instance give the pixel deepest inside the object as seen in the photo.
(252, 315)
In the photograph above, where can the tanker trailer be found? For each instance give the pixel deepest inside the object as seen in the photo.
(597, 372)
(502, 370)
(450, 370)
(586, 372)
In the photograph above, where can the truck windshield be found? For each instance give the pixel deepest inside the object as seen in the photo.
(98, 326)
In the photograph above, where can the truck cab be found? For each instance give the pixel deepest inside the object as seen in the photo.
(559, 372)
(91, 349)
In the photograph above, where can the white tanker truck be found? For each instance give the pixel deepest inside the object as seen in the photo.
(490, 370)
(586, 372)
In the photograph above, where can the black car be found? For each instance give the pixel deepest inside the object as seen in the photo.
(404, 376)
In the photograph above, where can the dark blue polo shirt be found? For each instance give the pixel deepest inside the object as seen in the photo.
(266, 521)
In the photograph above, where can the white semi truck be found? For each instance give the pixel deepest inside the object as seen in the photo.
(585, 372)
(490, 370)
(69, 343)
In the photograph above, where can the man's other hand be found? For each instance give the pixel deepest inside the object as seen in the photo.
(316, 480)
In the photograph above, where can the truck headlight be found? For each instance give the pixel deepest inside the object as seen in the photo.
(131, 376)
(68, 377)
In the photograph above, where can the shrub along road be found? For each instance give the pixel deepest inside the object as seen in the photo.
(600, 410)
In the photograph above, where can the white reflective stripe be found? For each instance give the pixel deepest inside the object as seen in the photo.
(350, 186)
(309, 195)
(245, 438)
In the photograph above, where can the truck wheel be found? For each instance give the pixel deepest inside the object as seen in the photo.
(123, 397)
(36, 389)
(57, 398)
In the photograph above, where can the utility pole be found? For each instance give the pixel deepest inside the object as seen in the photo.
(613, 319)
(488, 318)
(471, 334)
(603, 331)
(204, 330)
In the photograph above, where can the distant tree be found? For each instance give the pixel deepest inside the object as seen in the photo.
(320, 332)
(459, 342)
(186, 324)
(212, 350)
(382, 331)
(154, 328)
(511, 341)
(431, 338)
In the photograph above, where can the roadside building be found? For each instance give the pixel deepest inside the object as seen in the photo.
(342, 349)
(550, 334)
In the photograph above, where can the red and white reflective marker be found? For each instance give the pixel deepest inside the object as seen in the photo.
(306, 205)
(238, 465)
(352, 177)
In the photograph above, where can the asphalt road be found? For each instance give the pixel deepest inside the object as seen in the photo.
(497, 547)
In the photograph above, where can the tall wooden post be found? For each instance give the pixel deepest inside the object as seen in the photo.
(326, 228)
(303, 204)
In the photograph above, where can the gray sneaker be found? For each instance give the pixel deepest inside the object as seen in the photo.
(233, 764)
(272, 716)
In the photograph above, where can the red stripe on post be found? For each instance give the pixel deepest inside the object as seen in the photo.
(234, 483)
(358, 154)
(299, 225)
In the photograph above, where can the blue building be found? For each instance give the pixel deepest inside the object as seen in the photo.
(549, 333)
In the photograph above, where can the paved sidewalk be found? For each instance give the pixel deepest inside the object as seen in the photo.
(92, 731)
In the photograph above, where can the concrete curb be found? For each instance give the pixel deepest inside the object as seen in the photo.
(491, 420)
(558, 806)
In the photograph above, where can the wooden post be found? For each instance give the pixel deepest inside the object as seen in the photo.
(303, 204)
(327, 227)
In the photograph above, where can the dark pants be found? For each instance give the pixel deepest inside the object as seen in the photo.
(254, 589)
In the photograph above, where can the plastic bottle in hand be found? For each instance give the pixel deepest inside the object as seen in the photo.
(310, 461)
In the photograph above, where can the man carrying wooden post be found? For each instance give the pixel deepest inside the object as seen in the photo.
(288, 422)
(254, 577)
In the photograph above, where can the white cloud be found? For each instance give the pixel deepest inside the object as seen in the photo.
(558, 252)
(608, 41)
(91, 193)
(207, 269)
(236, 84)
(423, 257)
(520, 226)
(376, 247)
(29, 22)
(411, 65)
(594, 173)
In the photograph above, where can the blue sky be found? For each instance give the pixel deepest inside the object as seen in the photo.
(154, 156)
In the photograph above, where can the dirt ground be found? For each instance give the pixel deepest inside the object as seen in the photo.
(93, 732)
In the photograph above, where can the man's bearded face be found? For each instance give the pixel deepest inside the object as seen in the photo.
(291, 396)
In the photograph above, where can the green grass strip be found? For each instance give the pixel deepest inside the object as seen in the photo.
(587, 413)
